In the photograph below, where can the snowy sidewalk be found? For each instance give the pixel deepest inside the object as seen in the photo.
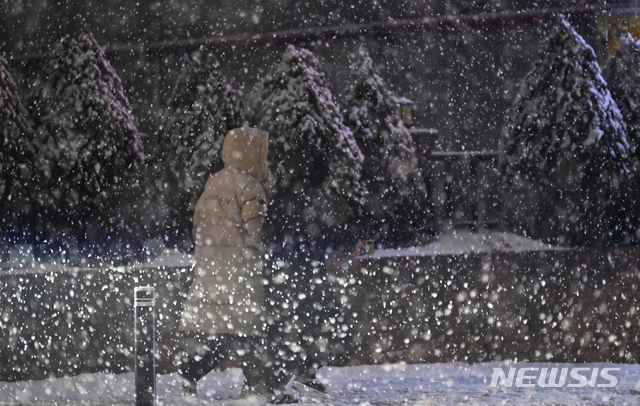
(368, 385)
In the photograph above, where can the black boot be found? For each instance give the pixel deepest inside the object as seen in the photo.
(192, 370)
(188, 378)
(189, 388)
(281, 399)
(309, 385)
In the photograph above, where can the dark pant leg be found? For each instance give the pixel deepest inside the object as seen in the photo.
(261, 376)
(322, 325)
(195, 366)
(288, 322)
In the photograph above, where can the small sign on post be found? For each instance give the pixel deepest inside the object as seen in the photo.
(145, 337)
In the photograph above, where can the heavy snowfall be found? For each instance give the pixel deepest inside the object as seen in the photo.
(477, 205)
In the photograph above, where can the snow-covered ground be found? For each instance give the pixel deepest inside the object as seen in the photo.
(455, 243)
(367, 385)
(466, 242)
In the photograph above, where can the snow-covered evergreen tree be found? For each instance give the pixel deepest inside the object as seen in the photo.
(18, 172)
(564, 145)
(90, 142)
(622, 73)
(296, 106)
(395, 189)
(204, 106)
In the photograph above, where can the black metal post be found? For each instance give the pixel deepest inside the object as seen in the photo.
(145, 336)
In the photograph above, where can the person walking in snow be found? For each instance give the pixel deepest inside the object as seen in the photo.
(223, 314)
(307, 327)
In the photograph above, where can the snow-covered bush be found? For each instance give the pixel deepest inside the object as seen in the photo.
(204, 106)
(91, 145)
(295, 106)
(18, 174)
(565, 148)
(622, 73)
(395, 190)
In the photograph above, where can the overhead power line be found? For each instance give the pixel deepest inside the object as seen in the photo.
(347, 30)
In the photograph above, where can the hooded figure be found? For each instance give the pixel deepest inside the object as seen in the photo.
(224, 311)
(227, 296)
(307, 325)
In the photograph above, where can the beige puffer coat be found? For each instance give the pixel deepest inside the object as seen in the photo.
(227, 294)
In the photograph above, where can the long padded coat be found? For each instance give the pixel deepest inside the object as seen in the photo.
(227, 294)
